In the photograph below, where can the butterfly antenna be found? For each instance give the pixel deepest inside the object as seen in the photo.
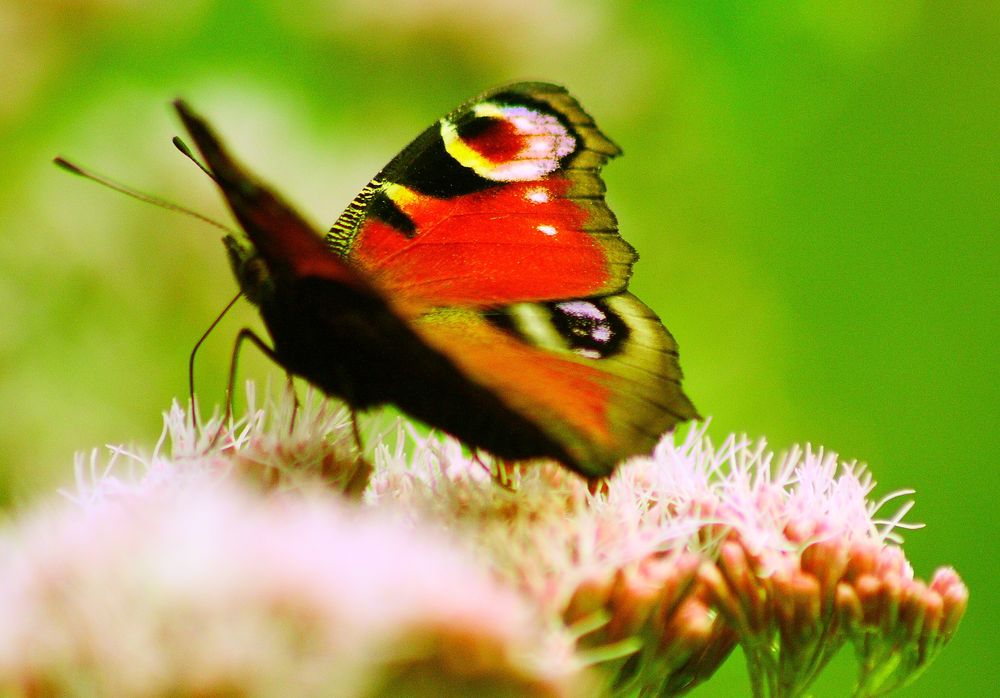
(136, 194)
(189, 154)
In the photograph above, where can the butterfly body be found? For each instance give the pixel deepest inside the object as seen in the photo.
(478, 282)
(351, 345)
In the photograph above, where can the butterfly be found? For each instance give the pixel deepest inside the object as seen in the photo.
(478, 283)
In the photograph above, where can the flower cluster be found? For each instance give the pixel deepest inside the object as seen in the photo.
(681, 556)
(209, 589)
(236, 564)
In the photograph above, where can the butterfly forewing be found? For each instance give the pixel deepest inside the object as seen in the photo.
(599, 375)
(499, 201)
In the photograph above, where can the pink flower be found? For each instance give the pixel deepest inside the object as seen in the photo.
(682, 555)
(204, 588)
(238, 565)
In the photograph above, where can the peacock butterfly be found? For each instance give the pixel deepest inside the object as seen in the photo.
(478, 282)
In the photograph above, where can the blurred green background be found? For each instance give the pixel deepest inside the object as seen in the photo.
(813, 186)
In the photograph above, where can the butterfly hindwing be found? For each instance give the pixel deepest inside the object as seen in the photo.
(599, 375)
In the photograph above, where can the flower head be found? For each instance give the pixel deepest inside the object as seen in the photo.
(178, 579)
(680, 556)
(236, 564)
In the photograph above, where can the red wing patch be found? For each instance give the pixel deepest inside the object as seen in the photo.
(515, 242)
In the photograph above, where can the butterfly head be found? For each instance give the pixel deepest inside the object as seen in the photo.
(249, 268)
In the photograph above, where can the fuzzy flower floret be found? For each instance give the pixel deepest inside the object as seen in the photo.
(207, 589)
(663, 569)
(267, 553)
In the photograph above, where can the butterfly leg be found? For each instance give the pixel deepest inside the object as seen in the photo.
(356, 431)
(502, 472)
(477, 458)
(194, 352)
(290, 386)
(245, 334)
(359, 479)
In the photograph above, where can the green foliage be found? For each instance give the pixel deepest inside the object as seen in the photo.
(811, 186)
